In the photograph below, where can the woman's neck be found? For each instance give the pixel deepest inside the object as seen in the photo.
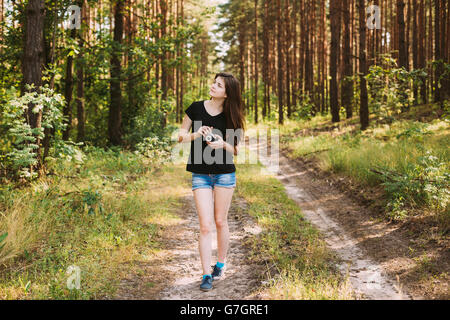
(216, 104)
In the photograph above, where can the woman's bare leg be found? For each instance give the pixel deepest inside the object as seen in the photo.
(205, 210)
(222, 202)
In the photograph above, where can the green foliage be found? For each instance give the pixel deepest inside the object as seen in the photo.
(376, 79)
(142, 112)
(305, 108)
(148, 122)
(416, 131)
(2, 239)
(446, 108)
(68, 150)
(425, 183)
(156, 148)
(24, 139)
(445, 70)
(20, 142)
(390, 87)
(92, 201)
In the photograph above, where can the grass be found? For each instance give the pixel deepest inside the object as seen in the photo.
(103, 216)
(302, 266)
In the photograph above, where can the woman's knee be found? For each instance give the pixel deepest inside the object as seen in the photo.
(221, 223)
(205, 229)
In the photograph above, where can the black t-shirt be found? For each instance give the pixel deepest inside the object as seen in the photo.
(205, 160)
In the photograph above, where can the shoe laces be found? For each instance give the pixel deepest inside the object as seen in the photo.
(216, 268)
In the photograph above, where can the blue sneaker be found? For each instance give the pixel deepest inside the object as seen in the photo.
(206, 283)
(217, 273)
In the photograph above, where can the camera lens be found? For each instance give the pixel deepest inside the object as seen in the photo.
(209, 137)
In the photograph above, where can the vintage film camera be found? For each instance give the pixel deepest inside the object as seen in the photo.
(210, 137)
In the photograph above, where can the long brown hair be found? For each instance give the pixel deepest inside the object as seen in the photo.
(233, 106)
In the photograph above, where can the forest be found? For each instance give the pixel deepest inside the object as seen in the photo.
(92, 93)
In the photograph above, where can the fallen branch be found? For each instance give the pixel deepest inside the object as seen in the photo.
(396, 174)
(315, 152)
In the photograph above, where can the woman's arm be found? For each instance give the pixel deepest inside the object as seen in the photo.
(228, 147)
(184, 135)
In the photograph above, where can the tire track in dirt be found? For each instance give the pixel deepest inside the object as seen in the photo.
(321, 204)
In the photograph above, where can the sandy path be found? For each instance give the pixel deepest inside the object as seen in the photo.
(321, 204)
(240, 278)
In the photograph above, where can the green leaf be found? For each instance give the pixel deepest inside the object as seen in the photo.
(27, 286)
(2, 238)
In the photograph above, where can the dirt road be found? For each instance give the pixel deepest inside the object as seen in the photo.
(324, 207)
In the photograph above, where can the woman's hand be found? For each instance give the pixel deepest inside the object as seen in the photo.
(218, 143)
(204, 130)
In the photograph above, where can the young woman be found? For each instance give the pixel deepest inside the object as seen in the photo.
(212, 166)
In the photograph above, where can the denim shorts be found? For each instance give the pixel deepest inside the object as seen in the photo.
(201, 180)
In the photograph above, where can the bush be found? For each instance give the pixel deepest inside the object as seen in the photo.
(149, 122)
(24, 139)
(156, 148)
(305, 109)
(390, 87)
(425, 183)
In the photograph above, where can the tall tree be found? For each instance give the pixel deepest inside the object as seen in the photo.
(422, 48)
(415, 45)
(33, 60)
(347, 83)
(256, 62)
(164, 69)
(403, 53)
(287, 56)
(364, 107)
(335, 23)
(280, 65)
(81, 118)
(437, 49)
(265, 65)
(115, 108)
(308, 68)
(68, 90)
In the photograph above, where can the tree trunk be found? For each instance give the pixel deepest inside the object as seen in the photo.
(415, 46)
(287, 64)
(422, 49)
(403, 56)
(335, 23)
(347, 84)
(256, 61)
(364, 107)
(115, 109)
(265, 65)
(280, 65)
(80, 81)
(437, 50)
(182, 60)
(33, 59)
(68, 90)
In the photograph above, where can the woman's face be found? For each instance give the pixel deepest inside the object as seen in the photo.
(217, 89)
